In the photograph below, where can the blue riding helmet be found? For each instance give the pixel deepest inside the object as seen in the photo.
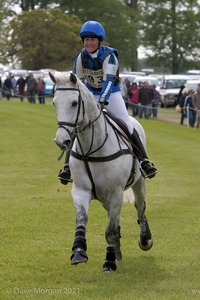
(93, 29)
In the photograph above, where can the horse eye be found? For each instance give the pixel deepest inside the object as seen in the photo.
(74, 103)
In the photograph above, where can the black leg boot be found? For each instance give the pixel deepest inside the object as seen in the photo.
(147, 168)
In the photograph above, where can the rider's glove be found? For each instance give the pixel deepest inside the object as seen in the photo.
(102, 102)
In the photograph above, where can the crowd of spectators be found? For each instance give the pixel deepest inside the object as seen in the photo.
(23, 86)
(189, 103)
(143, 101)
(141, 98)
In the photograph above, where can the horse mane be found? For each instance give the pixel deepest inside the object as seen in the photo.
(66, 77)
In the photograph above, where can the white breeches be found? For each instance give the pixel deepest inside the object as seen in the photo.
(118, 108)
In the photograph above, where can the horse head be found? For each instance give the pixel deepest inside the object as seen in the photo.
(66, 102)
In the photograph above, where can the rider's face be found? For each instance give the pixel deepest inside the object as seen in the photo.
(91, 44)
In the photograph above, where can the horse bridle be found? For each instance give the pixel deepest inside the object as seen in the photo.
(62, 124)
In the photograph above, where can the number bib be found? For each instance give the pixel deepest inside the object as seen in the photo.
(94, 78)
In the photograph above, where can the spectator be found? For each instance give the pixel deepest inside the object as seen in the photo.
(8, 87)
(191, 113)
(182, 105)
(140, 84)
(155, 101)
(145, 100)
(31, 88)
(21, 82)
(127, 84)
(179, 95)
(41, 90)
(133, 94)
(14, 83)
(196, 104)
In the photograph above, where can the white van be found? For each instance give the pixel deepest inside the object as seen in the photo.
(170, 87)
(191, 84)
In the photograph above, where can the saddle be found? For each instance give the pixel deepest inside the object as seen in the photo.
(124, 128)
(119, 122)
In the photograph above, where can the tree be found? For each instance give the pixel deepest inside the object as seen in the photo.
(119, 20)
(43, 39)
(170, 30)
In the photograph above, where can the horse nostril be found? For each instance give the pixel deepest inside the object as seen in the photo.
(67, 143)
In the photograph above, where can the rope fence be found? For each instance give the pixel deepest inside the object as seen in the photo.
(162, 112)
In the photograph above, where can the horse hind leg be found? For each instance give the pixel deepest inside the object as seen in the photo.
(113, 251)
(113, 254)
(145, 242)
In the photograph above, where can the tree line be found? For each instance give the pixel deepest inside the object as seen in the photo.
(45, 34)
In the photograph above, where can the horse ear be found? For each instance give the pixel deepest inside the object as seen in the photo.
(73, 78)
(52, 77)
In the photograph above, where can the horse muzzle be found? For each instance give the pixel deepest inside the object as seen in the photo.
(62, 139)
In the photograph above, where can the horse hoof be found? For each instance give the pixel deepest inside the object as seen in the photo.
(147, 246)
(79, 256)
(109, 266)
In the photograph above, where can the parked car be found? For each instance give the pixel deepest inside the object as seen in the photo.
(191, 84)
(193, 72)
(169, 88)
(49, 86)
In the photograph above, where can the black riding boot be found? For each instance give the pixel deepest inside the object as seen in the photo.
(64, 174)
(147, 168)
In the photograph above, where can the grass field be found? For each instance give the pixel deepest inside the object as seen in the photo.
(38, 217)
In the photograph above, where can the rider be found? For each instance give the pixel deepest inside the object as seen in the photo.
(98, 67)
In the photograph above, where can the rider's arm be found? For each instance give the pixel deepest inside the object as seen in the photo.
(110, 68)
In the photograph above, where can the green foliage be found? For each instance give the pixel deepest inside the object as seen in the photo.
(38, 218)
(44, 38)
(171, 30)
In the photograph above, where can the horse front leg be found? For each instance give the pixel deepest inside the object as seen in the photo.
(145, 242)
(112, 235)
(79, 247)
